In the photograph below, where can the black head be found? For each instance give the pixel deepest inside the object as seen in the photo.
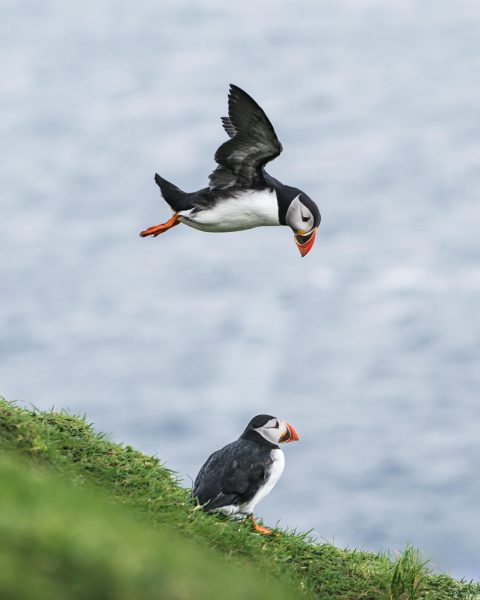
(299, 211)
(309, 204)
(269, 431)
(259, 421)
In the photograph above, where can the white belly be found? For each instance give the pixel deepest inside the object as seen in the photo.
(275, 473)
(245, 211)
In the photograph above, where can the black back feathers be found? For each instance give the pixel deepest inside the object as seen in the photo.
(232, 475)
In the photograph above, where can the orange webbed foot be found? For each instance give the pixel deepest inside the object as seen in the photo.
(158, 229)
(257, 527)
(262, 529)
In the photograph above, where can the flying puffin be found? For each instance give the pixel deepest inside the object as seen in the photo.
(241, 195)
(235, 478)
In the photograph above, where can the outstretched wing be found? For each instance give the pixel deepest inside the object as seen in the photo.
(253, 143)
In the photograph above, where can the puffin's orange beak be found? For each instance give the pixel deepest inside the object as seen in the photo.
(290, 435)
(305, 242)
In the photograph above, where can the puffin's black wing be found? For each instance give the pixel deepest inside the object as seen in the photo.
(252, 145)
(227, 125)
(231, 475)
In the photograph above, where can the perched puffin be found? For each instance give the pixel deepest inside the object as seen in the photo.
(241, 195)
(235, 478)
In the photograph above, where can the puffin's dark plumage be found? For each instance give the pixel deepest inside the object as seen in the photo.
(235, 478)
(241, 195)
(253, 142)
(233, 474)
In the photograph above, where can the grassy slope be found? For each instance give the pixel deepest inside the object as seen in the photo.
(85, 480)
(57, 543)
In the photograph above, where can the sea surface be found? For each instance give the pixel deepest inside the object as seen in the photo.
(369, 346)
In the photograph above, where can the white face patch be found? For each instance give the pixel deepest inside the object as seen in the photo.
(299, 217)
(273, 430)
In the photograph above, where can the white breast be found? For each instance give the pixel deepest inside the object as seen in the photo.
(276, 471)
(244, 211)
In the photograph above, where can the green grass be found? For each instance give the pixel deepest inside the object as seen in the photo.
(94, 519)
(410, 576)
(59, 542)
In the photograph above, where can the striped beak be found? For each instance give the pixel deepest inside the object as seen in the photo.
(305, 242)
(290, 435)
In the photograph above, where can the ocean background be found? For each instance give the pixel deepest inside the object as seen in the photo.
(369, 346)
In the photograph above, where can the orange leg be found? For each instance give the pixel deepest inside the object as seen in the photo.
(257, 527)
(158, 229)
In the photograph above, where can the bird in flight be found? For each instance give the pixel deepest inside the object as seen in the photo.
(241, 194)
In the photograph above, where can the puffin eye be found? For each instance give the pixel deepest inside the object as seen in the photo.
(305, 219)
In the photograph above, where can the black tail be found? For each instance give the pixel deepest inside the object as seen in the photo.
(173, 195)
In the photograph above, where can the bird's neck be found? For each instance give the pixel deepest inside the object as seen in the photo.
(285, 194)
(254, 436)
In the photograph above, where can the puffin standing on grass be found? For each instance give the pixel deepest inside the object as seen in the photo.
(235, 478)
(241, 195)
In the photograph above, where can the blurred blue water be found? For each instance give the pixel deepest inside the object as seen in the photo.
(369, 346)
